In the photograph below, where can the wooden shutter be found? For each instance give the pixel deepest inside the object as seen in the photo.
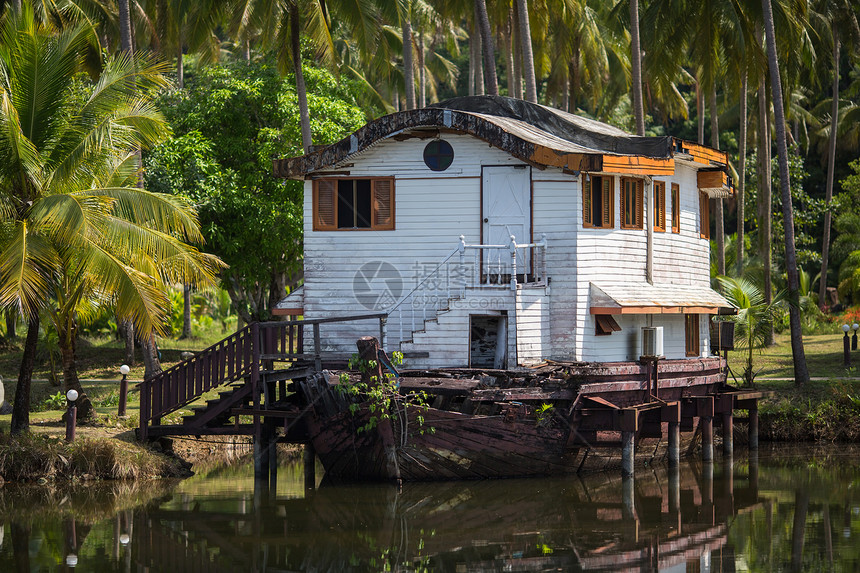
(691, 334)
(704, 217)
(586, 202)
(608, 219)
(676, 208)
(639, 204)
(324, 196)
(659, 206)
(383, 204)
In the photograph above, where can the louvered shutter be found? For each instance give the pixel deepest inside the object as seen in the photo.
(325, 192)
(608, 207)
(383, 204)
(639, 203)
(586, 202)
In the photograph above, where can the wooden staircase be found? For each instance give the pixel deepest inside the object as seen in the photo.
(253, 366)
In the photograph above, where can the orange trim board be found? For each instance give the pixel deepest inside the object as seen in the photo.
(636, 165)
(703, 154)
(654, 310)
(288, 311)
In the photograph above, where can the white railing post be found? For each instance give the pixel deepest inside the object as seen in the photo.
(513, 247)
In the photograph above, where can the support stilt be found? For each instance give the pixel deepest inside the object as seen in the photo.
(728, 433)
(707, 423)
(628, 446)
(309, 460)
(674, 444)
(753, 427)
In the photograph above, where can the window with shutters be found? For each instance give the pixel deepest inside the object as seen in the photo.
(353, 204)
(691, 334)
(704, 216)
(631, 203)
(660, 206)
(676, 208)
(598, 201)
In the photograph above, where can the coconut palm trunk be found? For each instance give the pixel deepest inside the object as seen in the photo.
(742, 164)
(801, 372)
(831, 166)
(21, 405)
(408, 65)
(489, 50)
(636, 68)
(720, 230)
(525, 35)
(301, 90)
(764, 193)
(67, 336)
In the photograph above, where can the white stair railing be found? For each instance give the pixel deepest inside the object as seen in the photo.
(495, 267)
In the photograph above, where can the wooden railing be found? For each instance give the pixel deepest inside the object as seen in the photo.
(238, 356)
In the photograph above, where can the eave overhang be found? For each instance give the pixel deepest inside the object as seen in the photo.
(540, 136)
(641, 297)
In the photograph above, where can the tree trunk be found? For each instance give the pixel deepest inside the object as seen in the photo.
(16, 4)
(517, 46)
(831, 165)
(408, 66)
(742, 165)
(246, 50)
(21, 405)
(151, 361)
(180, 64)
(801, 372)
(764, 195)
(575, 78)
(422, 73)
(473, 61)
(67, 340)
(528, 56)
(636, 65)
(479, 54)
(720, 230)
(128, 337)
(125, 27)
(700, 111)
(489, 50)
(301, 90)
(11, 321)
(186, 311)
(509, 52)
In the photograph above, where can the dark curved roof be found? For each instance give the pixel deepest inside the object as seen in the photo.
(533, 133)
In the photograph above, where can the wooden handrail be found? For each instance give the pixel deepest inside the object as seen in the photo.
(237, 356)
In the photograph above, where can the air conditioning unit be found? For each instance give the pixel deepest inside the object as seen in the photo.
(652, 341)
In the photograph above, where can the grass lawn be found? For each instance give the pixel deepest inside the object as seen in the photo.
(823, 356)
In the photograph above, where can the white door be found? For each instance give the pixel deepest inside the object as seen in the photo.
(506, 211)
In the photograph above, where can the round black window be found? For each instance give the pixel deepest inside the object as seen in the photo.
(438, 155)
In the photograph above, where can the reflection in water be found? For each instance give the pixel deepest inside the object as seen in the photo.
(719, 516)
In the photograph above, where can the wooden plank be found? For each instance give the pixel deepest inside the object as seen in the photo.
(638, 165)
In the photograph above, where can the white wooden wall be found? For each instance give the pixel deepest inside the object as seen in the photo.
(432, 209)
(532, 326)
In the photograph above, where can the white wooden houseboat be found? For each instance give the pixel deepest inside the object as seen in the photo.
(499, 233)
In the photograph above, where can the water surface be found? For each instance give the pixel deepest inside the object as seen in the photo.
(783, 510)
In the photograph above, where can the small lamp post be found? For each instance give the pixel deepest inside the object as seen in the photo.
(123, 389)
(72, 414)
(846, 345)
(854, 327)
(71, 560)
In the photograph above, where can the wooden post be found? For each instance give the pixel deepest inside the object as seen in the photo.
(513, 247)
(753, 426)
(707, 424)
(260, 466)
(674, 444)
(317, 348)
(628, 446)
(309, 462)
(728, 433)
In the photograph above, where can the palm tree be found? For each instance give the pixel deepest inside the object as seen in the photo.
(73, 231)
(489, 51)
(801, 372)
(525, 36)
(754, 319)
(636, 65)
